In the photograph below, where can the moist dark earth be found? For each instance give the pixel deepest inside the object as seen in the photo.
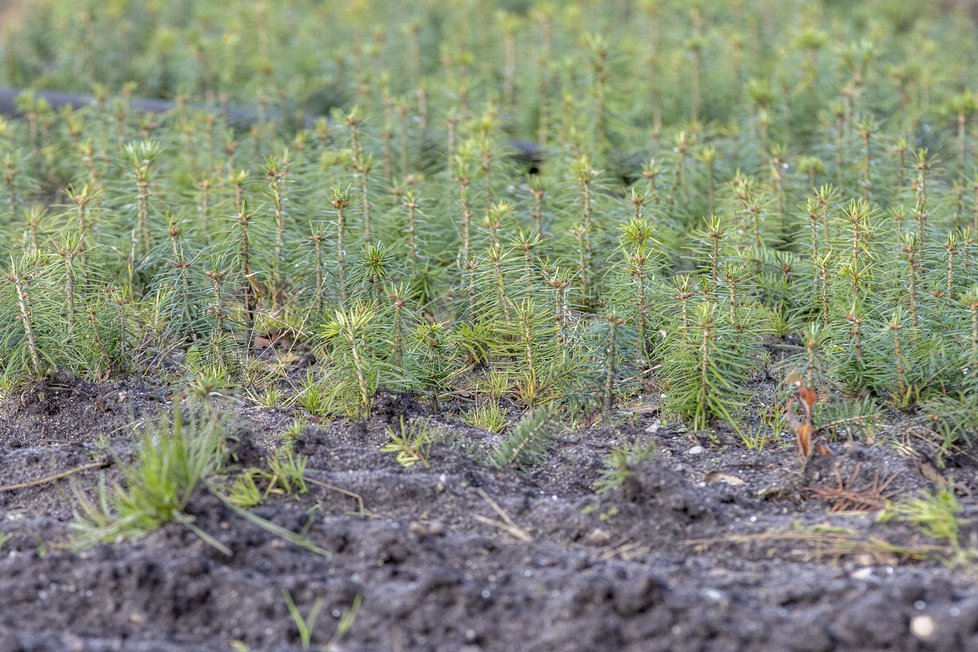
(706, 546)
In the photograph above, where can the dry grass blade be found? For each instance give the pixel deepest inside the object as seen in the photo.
(55, 477)
(507, 524)
(361, 510)
(836, 424)
(298, 540)
(846, 496)
(823, 542)
(626, 550)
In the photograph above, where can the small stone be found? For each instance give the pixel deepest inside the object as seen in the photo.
(923, 627)
(696, 450)
(598, 537)
(716, 596)
(72, 643)
(654, 427)
(432, 529)
(862, 573)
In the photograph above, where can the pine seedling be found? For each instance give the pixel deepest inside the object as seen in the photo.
(683, 142)
(585, 177)
(706, 368)
(953, 246)
(751, 208)
(964, 106)
(349, 332)
(143, 158)
(910, 246)
(850, 360)
(866, 127)
(17, 182)
(340, 200)
(361, 163)
(411, 443)
(464, 169)
(34, 219)
(276, 172)
(221, 306)
(34, 338)
(812, 167)
(402, 316)
(619, 466)
(558, 283)
(858, 267)
(812, 363)
(317, 239)
(411, 203)
(538, 190)
(708, 157)
(778, 165)
(372, 271)
(25, 315)
(525, 243)
(683, 285)
(83, 198)
(496, 257)
(68, 251)
(433, 359)
(902, 387)
(637, 245)
(935, 515)
(180, 293)
(710, 251)
(243, 238)
(538, 356)
(611, 362)
(737, 290)
(924, 165)
(527, 442)
(651, 171)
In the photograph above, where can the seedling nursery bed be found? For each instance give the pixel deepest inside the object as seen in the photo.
(465, 325)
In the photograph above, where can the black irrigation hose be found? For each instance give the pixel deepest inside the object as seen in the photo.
(237, 117)
(526, 152)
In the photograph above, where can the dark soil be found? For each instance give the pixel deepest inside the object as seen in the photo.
(707, 546)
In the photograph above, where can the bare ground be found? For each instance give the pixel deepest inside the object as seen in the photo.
(706, 547)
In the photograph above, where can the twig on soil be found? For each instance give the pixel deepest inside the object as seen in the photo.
(625, 550)
(362, 511)
(55, 477)
(506, 524)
